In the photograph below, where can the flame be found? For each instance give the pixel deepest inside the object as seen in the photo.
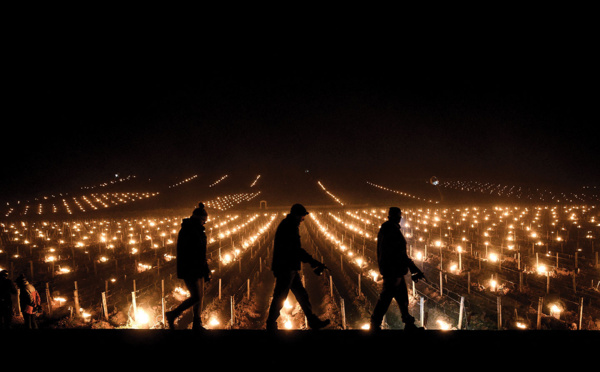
(541, 269)
(443, 325)
(141, 317)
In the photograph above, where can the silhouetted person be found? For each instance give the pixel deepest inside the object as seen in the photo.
(7, 290)
(288, 256)
(394, 264)
(192, 266)
(30, 302)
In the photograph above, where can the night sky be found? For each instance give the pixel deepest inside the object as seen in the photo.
(512, 108)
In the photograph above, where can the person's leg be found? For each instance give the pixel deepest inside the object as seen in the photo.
(27, 320)
(6, 318)
(197, 307)
(401, 296)
(301, 295)
(283, 281)
(383, 303)
(193, 286)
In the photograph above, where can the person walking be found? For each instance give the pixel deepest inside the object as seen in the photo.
(7, 290)
(192, 266)
(30, 302)
(288, 256)
(394, 264)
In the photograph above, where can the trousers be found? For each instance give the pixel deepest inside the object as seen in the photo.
(30, 321)
(284, 282)
(196, 289)
(392, 288)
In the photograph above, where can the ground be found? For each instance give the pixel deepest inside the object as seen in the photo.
(286, 350)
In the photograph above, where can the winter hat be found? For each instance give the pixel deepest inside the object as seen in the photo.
(200, 212)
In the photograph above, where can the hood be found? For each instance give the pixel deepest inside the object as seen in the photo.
(192, 222)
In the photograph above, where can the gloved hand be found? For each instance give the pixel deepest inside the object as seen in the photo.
(418, 276)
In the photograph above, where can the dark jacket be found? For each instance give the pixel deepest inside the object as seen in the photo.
(391, 252)
(191, 250)
(288, 254)
(7, 290)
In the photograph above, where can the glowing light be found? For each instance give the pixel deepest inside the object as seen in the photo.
(141, 317)
(374, 275)
(443, 325)
(541, 269)
(50, 259)
(227, 258)
(60, 300)
(555, 311)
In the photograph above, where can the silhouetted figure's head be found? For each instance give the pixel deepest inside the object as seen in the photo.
(298, 211)
(21, 280)
(200, 213)
(395, 214)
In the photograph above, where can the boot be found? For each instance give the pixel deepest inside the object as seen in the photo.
(374, 328)
(317, 323)
(197, 326)
(271, 326)
(410, 326)
(170, 319)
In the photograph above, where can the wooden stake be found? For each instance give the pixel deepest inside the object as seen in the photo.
(539, 315)
(19, 313)
(468, 282)
(232, 311)
(48, 299)
(499, 307)
(461, 311)
(133, 304)
(423, 311)
(520, 281)
(580, 312)
(331, 286)
(343, 314)
(104, 306)
(76, 300)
